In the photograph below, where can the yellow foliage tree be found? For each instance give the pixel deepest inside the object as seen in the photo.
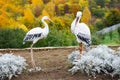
(44, 13)
(28, 19)
(50, 9)
(13, 23)
(83, 3)
(3, 15)
(37, 2)
(17, 24)
(23, 27)
(72, 1)
(86, 15)
(59, 22)
(14, 11)
(3, 20)
(59, 2)
(9, 13)
(28, 16)
(2, 3)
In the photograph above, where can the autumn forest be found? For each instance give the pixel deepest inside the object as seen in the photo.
(19, 16)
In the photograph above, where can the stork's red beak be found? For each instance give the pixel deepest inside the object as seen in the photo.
(77, 18)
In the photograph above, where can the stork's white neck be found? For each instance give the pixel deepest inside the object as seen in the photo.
(46, 28)
(73, 24)
(78, 19)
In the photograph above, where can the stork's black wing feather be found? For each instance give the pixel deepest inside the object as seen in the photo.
(85, 38)
(31, 36)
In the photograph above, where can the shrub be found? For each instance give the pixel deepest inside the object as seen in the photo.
(57, 38)
(99, 24)
(96, 40)
(11, 65)
(98, 60)
(119, 32)
(11, 38)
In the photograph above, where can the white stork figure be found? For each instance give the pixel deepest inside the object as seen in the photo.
(36, 34)
(82, 32)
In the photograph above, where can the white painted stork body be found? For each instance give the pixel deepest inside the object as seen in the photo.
(36, 34)
(81, 31)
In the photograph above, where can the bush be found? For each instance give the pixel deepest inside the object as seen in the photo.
(11, 65)
(99, 24)
(96, 40)
(119, 32)
(57, 38)
(98, 60)
(11, 38)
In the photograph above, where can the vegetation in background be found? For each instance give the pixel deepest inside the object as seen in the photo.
(23, 15)
(111, 38)
(11, 38)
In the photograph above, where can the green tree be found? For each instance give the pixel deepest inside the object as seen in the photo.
(99, 24)
(98, 12)
(112, 18)
(100, 2)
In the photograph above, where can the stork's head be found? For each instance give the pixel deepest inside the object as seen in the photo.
(46, 18)
(78, 16)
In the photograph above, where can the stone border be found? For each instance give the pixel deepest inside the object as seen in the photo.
(49, 48)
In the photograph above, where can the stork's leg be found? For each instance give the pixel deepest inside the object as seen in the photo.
(32, 59)
(33, 62)
(80, 50)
